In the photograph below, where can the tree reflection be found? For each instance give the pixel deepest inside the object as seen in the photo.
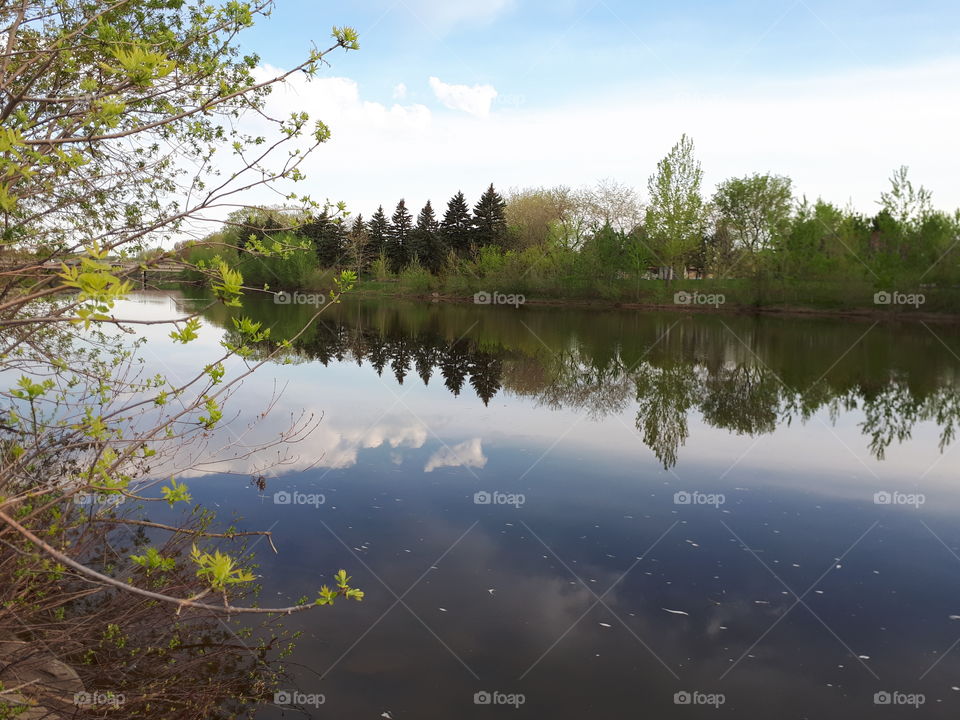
(746, 380)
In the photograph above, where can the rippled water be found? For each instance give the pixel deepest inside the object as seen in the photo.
(589, 512)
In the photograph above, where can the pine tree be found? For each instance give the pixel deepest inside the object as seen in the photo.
(327, 236)
(457, 226)
(398, 237)
(490, 221)
(425, 240)
(378, 228)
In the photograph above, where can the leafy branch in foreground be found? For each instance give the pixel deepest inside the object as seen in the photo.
(122, 128)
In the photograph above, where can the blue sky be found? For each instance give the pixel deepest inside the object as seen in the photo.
(530, 92)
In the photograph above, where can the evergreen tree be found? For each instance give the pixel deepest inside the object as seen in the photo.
(378, 228)
(457, 225)
(490, 221)
(327, 236)
(398, 237)
(425, 240)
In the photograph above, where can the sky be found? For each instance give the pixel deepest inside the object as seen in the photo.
(448, 95)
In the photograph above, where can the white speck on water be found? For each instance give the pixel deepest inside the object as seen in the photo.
(819, 592)
(491, 590)
(863, 657)
(442, 609)
(606, 625)
(675, 612)
(795, 565)
(761, 602)
(954, 617)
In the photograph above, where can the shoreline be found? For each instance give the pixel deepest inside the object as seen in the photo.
(863, 314)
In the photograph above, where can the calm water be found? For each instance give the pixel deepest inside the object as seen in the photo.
(678, 503)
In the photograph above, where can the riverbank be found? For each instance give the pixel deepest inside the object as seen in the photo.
(853, 300)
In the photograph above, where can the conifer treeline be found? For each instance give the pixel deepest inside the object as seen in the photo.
(399, 239)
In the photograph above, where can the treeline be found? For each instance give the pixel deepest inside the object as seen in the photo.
(603, 241)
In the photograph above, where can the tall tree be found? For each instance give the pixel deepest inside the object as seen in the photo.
(378, 229)
(328, 238)
(357, 245)
(755, 209)
(398, 237)
(425, 240)
(457, 225)
(677, 215)
(489, 220)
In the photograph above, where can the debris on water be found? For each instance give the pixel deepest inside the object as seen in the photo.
(606, 625)
(675, 612)
(406, 551)
(761, 602)
(795, 565)
(863, 657)
(386, 715)
(491, 590)
(819, 592)
(723, 627)
(954, 617)
(442, 609)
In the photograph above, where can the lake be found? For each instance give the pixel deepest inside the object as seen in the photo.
(568, 513)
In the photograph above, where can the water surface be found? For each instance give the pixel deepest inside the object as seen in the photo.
(759, 508)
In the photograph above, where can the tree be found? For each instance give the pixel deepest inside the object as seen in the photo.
(357, 245)
(425, 241)
(676, 216)
(114, 120)
(378, 230)
(328, 238)
(398, 237)
(489, 220)
(903, 202)
(530, 213)
(456, 226)
(615, 204)
(754, 209)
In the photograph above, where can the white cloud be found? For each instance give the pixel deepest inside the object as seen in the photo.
(465, 454)
(474, 100)
(400, 91)
(837, 136)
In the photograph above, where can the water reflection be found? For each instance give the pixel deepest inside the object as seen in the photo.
(745, 376)
(770, 598)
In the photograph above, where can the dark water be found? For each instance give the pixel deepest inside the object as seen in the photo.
(694, 509)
